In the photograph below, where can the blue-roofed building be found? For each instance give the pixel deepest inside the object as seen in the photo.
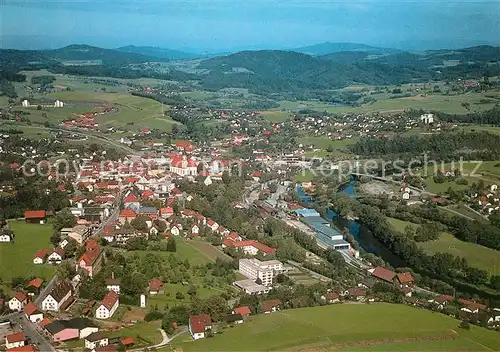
(306, 212)
(325, 233)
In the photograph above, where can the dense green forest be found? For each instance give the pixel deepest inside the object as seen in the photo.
(443, 146)
(266, 71)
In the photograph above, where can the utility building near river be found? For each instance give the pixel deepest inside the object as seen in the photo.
(324, 232)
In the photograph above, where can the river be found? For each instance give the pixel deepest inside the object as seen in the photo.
(361, 234)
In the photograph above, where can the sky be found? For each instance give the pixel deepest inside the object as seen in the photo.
(209, 26)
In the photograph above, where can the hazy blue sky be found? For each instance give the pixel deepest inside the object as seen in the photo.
(215, 25)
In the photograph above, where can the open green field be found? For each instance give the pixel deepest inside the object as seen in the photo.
(487, 171)
(149, 333)
(324, 142)
(207, 249)
(275, 115)
(478, 256)
(451, 104)
(16, 259)
(349, 326)
(480, 128)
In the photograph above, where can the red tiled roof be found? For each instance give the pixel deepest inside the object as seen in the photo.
(472, 304)
(147, 193)
(31, 308)
(44, 322)
(35, 214)
(21, 296)
(110, 299)
(167, 210)
(405, 278)
(383, 273)
(199, 322)
(155, 285)
(242, 310)
(357, 292)
(17, 337)
(27, 348)
(131, 198)
(125, 341)
(268, 306)
(182, 144)
(36, 282)
(128, 213)
(41, 253)
(256, 174)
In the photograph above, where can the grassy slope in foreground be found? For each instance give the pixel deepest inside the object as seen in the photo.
(346, 326)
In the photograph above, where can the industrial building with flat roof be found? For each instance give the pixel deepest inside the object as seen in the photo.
(324, 232)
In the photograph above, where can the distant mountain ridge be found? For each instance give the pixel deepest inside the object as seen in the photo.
(330, 48)
(157, 52)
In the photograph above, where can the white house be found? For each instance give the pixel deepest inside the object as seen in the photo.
(113, 285)
(18, 302)
(32, 313)
(195, 229)
(406, 196)
(108, 307)
(5, 236)
(95, 340)
(40, 256)
(198, 325)
(58, 104)
(14, 340)
(174, 230)
(25, 103)
(59, 294)
(212, 225)
(56, 256)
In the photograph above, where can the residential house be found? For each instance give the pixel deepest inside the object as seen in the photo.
(131, 200)
(175, 230)
(33, 287)
(195, 229)
(6, 235)
(155, 287)
(167, 212)
(250, 247)
(212, 225)
(91, 259)
(471, 306)
(126, 215)
(35, 216)
(108, 307)
(32, 313)
(405, 279)
(331, 297)
(243, 310)
(270, 306)
(57, 297)
(441, 301)
(96, 339)
(14, 340)
(18, 302)
(56, 256)
(357, 294)
(234, 318)
(113, 284)
(198, 325)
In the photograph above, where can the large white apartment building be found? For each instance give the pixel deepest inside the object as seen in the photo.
(265, 271)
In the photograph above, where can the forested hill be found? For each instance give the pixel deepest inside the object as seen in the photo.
(25, 58)
(279, 71)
